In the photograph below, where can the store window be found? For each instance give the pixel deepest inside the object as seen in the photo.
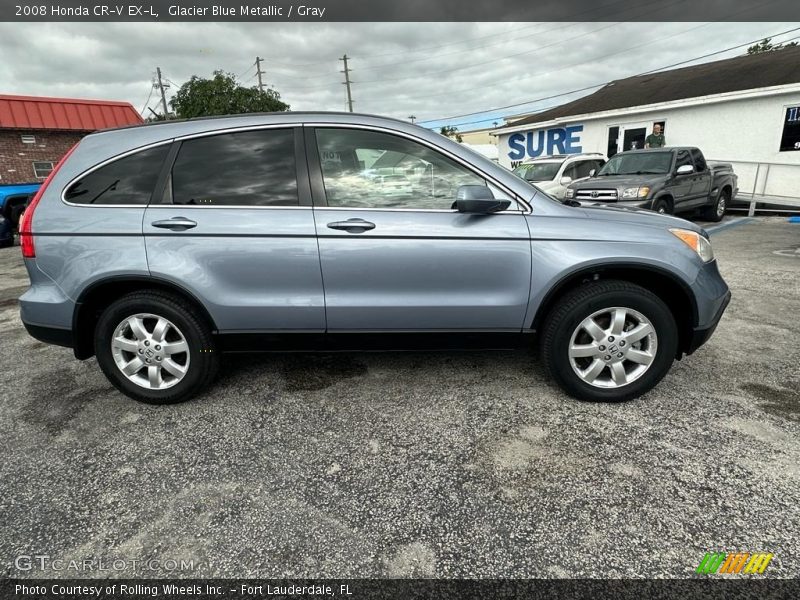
(790, 139)
(613, 135)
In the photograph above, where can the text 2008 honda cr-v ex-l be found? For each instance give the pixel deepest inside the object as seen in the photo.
(157, 247)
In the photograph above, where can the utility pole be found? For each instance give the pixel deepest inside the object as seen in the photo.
(347, 83)
(412, 118)
(160, 85)
(259, 72)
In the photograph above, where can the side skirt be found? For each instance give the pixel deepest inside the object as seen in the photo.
(370, 342)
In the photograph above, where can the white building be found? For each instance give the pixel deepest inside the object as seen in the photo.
(744, 110)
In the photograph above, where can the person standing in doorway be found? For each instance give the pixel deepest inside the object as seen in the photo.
(655, 139)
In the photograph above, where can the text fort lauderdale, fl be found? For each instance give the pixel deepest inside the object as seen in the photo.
(245, 10)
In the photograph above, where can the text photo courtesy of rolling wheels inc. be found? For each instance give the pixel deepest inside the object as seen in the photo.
(395, 301)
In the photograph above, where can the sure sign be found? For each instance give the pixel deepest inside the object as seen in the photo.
(558, 140)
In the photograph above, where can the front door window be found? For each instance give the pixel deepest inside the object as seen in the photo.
(370, 169)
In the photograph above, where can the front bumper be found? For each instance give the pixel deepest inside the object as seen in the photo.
(712, 297)
(648, 204)
(700, 335)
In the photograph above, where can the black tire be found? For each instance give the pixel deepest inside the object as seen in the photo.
(203, 360)
(716, 211)
(584, 301)
(663, 206)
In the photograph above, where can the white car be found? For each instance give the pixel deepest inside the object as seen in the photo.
(552, 174)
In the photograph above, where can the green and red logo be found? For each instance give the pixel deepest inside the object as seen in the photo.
(734, 562)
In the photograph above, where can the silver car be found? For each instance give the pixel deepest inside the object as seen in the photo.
(155, 248)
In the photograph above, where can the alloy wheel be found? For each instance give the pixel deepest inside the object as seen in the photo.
(150, 351)
(613, 347)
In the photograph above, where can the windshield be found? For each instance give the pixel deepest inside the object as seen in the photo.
(637, 163)
(544, 171)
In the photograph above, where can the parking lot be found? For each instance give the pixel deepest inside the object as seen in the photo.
(456, 464)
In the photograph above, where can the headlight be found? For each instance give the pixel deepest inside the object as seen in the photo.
(570, 193)
(635, 192)
(696, 242)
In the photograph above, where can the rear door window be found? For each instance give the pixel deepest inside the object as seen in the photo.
(247, 168)
(682, 159)
(699, 161)
(128, 180)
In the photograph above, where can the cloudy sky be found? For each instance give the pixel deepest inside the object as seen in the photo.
(430, 70)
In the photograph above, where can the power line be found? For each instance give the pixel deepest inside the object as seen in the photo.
(683, 62)
(583, 62)
(494, 60)
(147, 102)
(465, 41)
(535, 33)
(246, 71)
(576, 64)
(428, 48)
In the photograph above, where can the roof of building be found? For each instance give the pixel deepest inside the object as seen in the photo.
(36, 112)
(751, 71)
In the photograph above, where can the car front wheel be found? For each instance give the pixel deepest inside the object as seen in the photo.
(609, 341)
(154, 350)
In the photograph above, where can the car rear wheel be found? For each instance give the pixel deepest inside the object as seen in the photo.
(609, 341)
(154, 350)
(715, 212)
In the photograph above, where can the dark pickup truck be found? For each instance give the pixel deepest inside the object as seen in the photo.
(666, 180)
(13, 200)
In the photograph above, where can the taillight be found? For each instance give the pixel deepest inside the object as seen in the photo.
(26, 220)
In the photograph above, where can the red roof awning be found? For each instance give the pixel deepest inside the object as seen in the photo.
(36, 112)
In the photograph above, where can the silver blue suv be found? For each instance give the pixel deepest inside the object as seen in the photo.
(158, 247)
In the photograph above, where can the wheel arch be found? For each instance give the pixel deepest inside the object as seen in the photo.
(100, 294)
(11, 202)
(675, 293)
(665, 195)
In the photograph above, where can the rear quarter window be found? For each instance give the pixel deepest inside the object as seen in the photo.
(128, 180)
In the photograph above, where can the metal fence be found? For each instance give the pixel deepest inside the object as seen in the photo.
(769, 183)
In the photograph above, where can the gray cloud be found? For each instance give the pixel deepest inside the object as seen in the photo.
(429, 70)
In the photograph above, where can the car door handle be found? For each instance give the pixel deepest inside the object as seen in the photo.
(352, 225)
(175, 223)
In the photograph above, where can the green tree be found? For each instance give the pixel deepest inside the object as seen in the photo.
(766, 45)
(451, 132)
(221, 95)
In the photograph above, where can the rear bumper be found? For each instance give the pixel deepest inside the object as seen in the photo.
(50, 335)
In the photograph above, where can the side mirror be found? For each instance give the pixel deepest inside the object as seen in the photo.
(684, 170)
(478, 199)
(592, 172)
(566, 180)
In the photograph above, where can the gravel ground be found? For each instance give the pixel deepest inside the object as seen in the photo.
(412, 464)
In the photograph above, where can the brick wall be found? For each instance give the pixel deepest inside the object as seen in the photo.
(16, 158)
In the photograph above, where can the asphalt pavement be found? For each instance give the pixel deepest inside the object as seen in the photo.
(457, 464)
